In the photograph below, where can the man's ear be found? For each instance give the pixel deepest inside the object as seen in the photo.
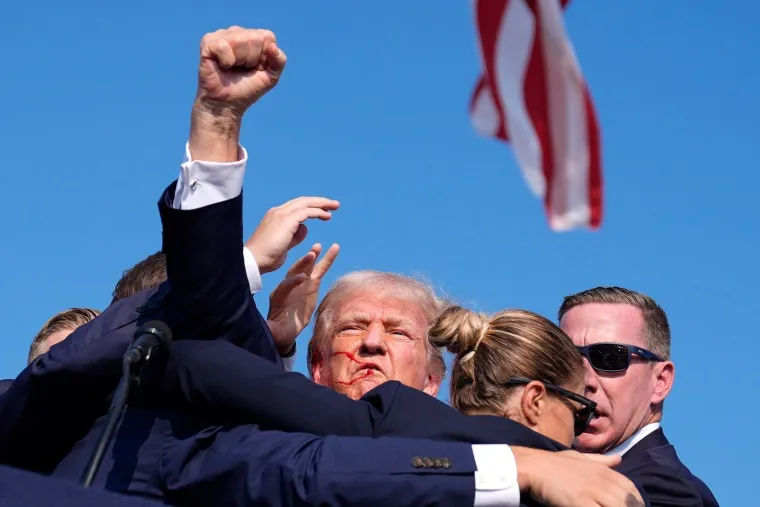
(664, 375)
(316, 373)
(432, 384)
(532, 403)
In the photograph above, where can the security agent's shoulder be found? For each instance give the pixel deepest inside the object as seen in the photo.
(664, 482)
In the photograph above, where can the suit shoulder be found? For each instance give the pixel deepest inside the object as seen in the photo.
(665, 482)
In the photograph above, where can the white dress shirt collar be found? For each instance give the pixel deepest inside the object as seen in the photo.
(633, 439)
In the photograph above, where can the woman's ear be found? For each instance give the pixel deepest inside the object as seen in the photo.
(533, 403)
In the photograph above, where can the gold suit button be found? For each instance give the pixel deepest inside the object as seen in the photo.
(417, 462)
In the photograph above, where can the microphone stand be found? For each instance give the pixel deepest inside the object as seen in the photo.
(151, 335)
(129, 377)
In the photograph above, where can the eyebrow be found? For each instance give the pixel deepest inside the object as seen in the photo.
(366, 318)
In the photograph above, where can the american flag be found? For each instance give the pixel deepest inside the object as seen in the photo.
(532, 94)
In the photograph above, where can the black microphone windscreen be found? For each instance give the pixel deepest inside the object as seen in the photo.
(157, 328)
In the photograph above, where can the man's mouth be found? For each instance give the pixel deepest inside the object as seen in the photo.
(596, 422)
(368, 369)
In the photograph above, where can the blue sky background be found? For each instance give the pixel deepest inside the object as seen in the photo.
(372, 110)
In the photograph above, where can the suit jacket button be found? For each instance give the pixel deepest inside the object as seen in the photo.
(437, 463)
(446, 463)
(427, 462)
(416, 462)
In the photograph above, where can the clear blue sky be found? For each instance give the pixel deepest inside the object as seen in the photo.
(372, 110)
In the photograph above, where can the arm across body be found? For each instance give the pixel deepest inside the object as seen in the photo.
(245, 466)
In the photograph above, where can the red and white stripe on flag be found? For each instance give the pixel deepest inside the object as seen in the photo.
(533, 95)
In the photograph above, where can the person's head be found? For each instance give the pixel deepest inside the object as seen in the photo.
(625, 338)
(515, 364)
(371, 327)
(57, 328)
(146, 274)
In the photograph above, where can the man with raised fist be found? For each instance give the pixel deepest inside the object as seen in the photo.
(188, 457)
(211, 275)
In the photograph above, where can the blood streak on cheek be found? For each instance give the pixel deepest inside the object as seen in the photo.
(352, 357)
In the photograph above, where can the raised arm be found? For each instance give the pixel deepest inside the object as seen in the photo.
(202, 213)
(74, 379)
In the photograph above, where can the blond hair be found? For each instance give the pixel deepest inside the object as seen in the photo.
(67, 319)
(491, 349)
(413, 291)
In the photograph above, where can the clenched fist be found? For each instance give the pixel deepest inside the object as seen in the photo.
(237, 67)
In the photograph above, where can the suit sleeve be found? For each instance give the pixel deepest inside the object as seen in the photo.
(217, 375)
(204, 263)
(243, 466)
(210, 293)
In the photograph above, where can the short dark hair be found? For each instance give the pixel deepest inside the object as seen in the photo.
(656, 327)
(146, 274)
(67, 319)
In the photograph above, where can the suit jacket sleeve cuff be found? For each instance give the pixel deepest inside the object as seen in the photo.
(496, 476)
(205, 183)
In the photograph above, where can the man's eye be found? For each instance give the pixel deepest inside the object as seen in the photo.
(399, 332)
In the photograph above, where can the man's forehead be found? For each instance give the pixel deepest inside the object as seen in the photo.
(603, 322)
(378, 306)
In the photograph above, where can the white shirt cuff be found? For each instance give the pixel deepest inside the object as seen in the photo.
(496, 477)
(252, 271)
(289, 363)
(205, 183)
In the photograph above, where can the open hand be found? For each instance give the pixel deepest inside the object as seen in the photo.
(293, 301)
(282, 228)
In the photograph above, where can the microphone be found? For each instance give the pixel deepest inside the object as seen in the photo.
(151, 338)
(148, 337)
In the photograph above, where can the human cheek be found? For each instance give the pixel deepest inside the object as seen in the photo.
(408, 360)
(341, 355)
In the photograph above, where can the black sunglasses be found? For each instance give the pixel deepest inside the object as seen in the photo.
(582, 416)
(614, 357)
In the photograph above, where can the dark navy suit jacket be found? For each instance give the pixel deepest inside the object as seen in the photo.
(251, 389)
(190, 457)
(5, 385)
(210, 296)
(669, 482)
(19, 488)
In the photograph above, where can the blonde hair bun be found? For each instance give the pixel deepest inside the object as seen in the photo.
(458, 329)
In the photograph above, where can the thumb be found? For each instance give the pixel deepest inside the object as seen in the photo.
(299, 236)
(276, 60)
(610, 461)
(286, 286)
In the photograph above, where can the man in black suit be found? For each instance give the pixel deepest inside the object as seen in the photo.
(625, 338)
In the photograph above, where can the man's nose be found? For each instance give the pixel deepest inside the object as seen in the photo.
(592, 381)
(374, 340)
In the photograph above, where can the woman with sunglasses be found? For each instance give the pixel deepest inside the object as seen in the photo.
(515, 364)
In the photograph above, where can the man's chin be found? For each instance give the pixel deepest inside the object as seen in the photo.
(359, 388)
